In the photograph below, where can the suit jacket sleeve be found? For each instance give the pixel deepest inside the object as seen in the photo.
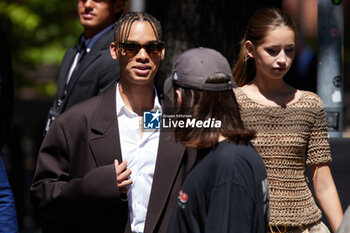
(57, 188)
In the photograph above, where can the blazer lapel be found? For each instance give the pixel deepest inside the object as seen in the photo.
(105, 147)
(87, 60)
(101, 44)
(169, 159)
(65, 67)
(104, 139)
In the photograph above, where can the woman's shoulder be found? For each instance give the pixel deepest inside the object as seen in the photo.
(237, 90)
(311, 95)
(241, 97)
(310, 98)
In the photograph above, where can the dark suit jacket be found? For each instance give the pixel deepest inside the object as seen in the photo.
(96, 72)
(74, 185)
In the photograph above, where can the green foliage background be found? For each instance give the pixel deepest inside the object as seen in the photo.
(39, 32)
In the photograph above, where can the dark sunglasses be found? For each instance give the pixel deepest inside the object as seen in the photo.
(132, 48)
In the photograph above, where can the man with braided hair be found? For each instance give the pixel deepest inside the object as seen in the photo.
(98, 170)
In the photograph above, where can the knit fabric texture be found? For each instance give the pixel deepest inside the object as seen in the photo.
(288, 139)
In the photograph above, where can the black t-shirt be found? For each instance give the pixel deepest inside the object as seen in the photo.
(226, 191)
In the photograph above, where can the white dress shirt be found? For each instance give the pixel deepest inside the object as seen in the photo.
(140, 154)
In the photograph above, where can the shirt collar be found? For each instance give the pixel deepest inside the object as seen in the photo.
(91, 41)
(156, 105)
(121, 107)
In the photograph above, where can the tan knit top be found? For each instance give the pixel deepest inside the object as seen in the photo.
(287, 139)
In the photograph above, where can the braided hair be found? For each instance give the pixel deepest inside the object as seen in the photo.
(123, 25)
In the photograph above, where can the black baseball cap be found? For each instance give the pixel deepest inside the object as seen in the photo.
(195, 66)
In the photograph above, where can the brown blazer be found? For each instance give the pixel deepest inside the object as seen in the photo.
(74, 186)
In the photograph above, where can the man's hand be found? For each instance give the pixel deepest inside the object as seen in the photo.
(123, 174)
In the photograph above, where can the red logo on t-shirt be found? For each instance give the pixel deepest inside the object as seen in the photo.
(182, 196)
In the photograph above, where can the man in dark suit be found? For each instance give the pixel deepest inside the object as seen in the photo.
(87, 68)
(98, 170)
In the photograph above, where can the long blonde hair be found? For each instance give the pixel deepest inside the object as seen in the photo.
(263, 20)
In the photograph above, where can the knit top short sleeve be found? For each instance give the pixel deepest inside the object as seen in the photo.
(318, 147)
(288, 138)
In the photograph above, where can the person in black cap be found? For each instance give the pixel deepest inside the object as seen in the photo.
(227, 190)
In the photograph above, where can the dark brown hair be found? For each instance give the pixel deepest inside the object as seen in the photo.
(263, 21)
(201, 105)
(123, 25)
